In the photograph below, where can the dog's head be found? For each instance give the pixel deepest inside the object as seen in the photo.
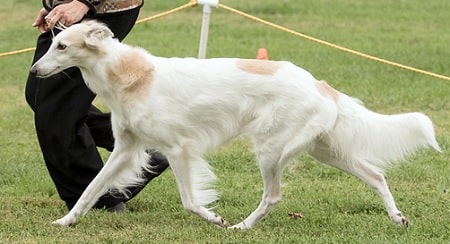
(79, 45)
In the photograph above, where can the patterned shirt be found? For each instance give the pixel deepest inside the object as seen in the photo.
(99, 7)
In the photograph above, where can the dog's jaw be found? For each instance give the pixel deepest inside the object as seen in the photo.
(43, 73)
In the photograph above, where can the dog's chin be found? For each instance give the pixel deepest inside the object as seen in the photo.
(48, 73)
(44, 76)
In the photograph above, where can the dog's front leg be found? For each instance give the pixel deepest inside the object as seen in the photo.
(99, 186)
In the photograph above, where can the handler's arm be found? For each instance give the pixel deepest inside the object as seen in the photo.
(67, 14)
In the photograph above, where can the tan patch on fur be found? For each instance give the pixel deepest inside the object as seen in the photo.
(260, 67)
(133, 76)
(326, 90)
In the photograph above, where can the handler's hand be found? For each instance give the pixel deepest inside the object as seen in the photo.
(67, 14)
(39, 22)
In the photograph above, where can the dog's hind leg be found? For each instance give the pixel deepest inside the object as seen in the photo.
(271, 172)
(377, 181)
(287, 138)
(194, 177)
(272, 160)
(367, 173)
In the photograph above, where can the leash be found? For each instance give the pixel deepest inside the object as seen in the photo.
(58, 25)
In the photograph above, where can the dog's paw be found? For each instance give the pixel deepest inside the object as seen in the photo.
(400, 219)
(65, 221)
(218, 221)
(240, 226)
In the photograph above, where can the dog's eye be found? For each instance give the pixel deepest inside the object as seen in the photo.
(61, 46)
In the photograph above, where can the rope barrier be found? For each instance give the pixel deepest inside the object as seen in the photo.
(332, 45)
(193, 3)
(17, 52)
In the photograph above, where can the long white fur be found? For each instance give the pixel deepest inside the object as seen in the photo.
(184, 107)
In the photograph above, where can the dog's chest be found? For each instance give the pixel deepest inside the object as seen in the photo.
(133, 124)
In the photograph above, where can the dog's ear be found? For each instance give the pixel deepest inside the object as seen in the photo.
(97, 33)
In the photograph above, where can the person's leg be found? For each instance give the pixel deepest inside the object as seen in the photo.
(63, 113)
(99, 124)
(60, 105)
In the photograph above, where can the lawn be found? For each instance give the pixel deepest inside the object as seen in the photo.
(336, 207)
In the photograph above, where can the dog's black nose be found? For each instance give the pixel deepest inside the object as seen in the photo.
(33, 70)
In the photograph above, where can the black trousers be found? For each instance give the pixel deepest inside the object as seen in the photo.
(69, 128)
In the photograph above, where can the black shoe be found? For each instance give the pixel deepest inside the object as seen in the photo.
(119, 208)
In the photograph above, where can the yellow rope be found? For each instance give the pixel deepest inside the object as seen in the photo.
(191, 3)
(17, 51)
(331, 44)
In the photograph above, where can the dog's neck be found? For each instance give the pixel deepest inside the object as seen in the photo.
(121, 77)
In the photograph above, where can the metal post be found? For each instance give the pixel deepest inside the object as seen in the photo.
(207, 4)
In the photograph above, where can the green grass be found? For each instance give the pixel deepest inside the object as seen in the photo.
(337, 208)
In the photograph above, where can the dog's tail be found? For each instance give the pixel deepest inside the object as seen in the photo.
(381, 140)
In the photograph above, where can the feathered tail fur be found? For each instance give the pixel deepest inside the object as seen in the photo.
(380, 140)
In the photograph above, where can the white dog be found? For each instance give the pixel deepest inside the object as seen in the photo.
(184, 107)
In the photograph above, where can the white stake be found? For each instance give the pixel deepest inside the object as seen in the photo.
(205, 25)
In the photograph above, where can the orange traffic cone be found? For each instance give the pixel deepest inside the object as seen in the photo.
(262, 54)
